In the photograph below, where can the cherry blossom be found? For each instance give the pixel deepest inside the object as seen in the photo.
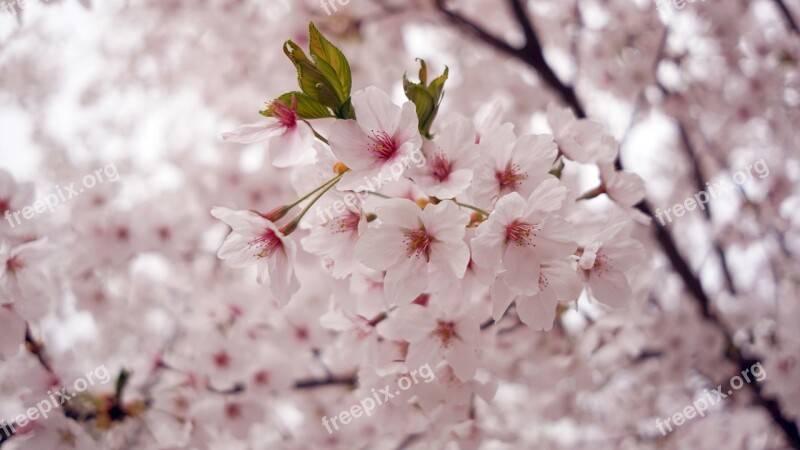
(256, 240)
(289, 142)
(451, 158)
(522, 234)
(514, 164)
(603, 263)
(411, 242)
(378, 145)
(483, 213)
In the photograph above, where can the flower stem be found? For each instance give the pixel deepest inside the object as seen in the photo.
(303, 198)
(474, 208)
(592, 194)
(317, 135)
(291, 226)
(378, 194)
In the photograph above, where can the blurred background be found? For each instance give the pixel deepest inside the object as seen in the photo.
(695, 92)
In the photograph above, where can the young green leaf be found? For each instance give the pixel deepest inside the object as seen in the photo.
(307, 107)
(322, 50)
(311, 79)
(426, 98)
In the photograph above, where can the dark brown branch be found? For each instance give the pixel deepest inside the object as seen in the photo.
(328, 381)
(695, 287)
(700, 184)
(530, 53)
(787, 15)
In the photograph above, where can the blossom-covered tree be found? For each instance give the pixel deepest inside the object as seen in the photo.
(470, 224)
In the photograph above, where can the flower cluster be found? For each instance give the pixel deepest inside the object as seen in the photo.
(484, 223)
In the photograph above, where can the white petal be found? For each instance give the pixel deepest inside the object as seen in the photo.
(611, 288)
(405, 281)
(462, 358)
(247, 134)
(538, 311)
(522, 270)
(380, 248)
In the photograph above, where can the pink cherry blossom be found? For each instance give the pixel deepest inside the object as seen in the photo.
(578, 139)
(441, 330)
(288, 141)
(522, 234)
(379, 143)
(411, 242)
(512, 164)
(557, 282)
(450, 160)
(604, 261)
(256, 240)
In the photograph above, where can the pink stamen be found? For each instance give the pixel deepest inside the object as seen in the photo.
(418, 243)
(520, 233)
(441, 168)
(382, 145)
(286, 115)
(233, 411)
(14, 264)
(510, 178)
(445, 332)
(266, 244)
(345, 224)
(221, 359)
(602, 263)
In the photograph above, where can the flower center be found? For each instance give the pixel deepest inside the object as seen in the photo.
(5, 205)
(66, 438)
(445, 332)
(286, 115)
(601, 264)
(418, 243)
(233, 411)
(221, 359)
(441, 168)
(520, 233)
(345, 223)
(14, 264)
(543, 282)
(261, 377)
(509, 178)
(266, 244)
(382, 145)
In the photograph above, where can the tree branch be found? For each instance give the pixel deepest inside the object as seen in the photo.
(530, 53)
(787, 15)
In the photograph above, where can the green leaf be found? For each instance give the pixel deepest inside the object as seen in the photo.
(426, 98)
(322, 50)
(423, 71)
(311, 79)
(346, 111)
(307, 107)
(436, 87)
(425, 106)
